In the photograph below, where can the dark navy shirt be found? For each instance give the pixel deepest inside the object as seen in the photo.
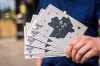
(87, 12)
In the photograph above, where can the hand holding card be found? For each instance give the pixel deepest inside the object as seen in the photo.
(52, 33)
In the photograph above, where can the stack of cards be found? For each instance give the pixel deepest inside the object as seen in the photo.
(50, 32)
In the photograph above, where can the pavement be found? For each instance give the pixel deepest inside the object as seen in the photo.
(11, 53)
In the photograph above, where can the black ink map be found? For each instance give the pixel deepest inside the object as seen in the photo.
(61, 27)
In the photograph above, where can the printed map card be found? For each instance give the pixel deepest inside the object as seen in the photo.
(60, 29)
(53, 30)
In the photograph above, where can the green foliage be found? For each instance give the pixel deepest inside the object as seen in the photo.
(99, 31)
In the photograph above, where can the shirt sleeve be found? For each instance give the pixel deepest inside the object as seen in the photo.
(98, 9)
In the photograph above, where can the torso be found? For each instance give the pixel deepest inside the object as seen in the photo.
(82, 10)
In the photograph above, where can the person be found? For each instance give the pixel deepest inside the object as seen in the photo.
(83, 50)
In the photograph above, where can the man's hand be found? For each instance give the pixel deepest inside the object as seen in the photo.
(83, 48)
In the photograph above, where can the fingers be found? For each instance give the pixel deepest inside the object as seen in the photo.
(68, 52)
(81, 48)
(81, 41)
(70, 46)
(76, 47)
(81, 52)
(88, 55)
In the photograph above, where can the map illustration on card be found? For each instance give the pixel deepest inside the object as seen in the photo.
(51, 32)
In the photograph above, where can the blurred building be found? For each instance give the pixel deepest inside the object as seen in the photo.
(7, 16)
(13, 15)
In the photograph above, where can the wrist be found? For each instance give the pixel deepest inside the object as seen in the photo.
(98, 44)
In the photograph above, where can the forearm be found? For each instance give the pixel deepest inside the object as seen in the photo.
(99, 35)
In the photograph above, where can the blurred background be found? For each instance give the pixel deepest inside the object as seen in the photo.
(13, 15)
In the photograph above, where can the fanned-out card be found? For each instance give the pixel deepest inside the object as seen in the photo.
(32, 47)
(61, 29)
(58, 28)
(53, 29)
(26, 48)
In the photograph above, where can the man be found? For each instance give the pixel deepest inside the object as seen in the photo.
(83, 50)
